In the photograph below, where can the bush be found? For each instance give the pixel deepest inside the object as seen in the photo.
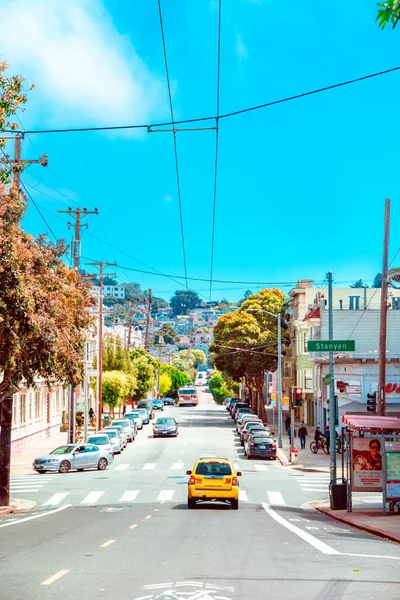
(218, 387)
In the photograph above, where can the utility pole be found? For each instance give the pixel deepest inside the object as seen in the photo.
(149, 302)
(101, 266)
(132, 303)
(76, 242)
(18, 164)
(332, 399)
(384, 309)
(279, 398)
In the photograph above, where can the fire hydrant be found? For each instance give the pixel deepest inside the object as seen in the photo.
(293, 455)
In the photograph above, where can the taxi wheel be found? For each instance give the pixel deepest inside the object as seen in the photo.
(191, 503)
(235, 504)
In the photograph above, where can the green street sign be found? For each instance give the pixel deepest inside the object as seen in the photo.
(328, 379)
(331, 345)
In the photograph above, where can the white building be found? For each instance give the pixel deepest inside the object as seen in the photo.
(117, 291)
(122, 332)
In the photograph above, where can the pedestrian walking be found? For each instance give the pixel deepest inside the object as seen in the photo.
(91, 416)
(302, 435)
(287, 422)
(327, 434)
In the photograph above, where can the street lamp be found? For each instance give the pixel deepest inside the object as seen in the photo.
(278, 317)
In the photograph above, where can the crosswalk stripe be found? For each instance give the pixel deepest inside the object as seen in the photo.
(261, 467)
(56, 499)
(30, 491)
(23, 486)
(276, 499)
(307, 489)
(129, 496)
(149, 466)
(122, 467)
(243, 496)
(92, 497)
(165, 495)
(177, 465)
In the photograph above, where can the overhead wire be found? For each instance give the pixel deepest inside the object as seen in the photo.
(216, 146)
(178, 184)
(212, 117)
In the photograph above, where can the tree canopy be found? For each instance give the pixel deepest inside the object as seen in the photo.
(183, 301)
(388, 13)
(358, 284)
(167, 333)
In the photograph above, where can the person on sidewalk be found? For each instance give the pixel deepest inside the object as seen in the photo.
(91, 416)
(287, 422)
(327, 434)
(303, 436)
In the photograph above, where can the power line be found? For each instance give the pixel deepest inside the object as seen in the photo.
(213, 117)
(216, 145)
(40, 213)
(178, 185)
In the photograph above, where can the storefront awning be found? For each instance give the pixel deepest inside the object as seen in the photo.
(376, 422)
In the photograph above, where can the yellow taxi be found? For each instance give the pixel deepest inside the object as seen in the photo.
(213, 479)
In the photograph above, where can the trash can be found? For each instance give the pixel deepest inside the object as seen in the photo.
(106, 420)
(338, 494)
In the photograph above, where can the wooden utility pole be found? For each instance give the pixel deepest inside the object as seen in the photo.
(18, 163)
(132, 303)
(384, 309)
(146, 337)
(101, 266)
(76, 242)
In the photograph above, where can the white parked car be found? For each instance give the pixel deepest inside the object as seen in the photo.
(114, 439)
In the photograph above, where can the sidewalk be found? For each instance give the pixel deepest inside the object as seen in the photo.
(367, 512)
(21, 461)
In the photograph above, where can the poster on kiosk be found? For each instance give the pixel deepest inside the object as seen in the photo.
(366, 464)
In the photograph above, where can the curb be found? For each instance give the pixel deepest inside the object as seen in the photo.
(17, 507)
(368, 528)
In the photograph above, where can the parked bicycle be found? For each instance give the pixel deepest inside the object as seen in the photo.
(340, 446)
(320, 445)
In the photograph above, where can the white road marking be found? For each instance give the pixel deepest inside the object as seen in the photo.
(149, 466)
(106, 544)
(43, 514)
(51, 580)
(308, 489)
(243, 496)
(307, 537)
(166, 495)
(236, 466)
(92, 497)
(261, 467)
(276, 499)
(30, 491)
(129, 496)
(371, 556)
(56, 499)
(178, 465)
(157, 585)
(28, 486)
(122, 467)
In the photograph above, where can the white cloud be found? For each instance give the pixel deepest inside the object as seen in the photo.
(85, 72)
(241, 49)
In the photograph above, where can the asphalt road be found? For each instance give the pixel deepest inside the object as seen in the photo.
(126, 533)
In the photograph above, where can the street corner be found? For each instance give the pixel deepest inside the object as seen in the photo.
(283, 459)
(17, 506)
(371, 521)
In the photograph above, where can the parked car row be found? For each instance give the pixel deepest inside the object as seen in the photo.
(101, 447)
(255, 437)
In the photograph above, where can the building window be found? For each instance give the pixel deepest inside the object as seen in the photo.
(305, 338)
(308, 379)
(287, 370)
(30, 408)
(38, 405)
(22, 408)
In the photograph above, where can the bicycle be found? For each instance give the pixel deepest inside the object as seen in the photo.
(320, 445)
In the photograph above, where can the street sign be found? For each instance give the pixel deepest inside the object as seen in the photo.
(331, 345)
(328, 379)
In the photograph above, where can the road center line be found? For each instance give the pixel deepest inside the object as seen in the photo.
(106, 544)
(54, 578)
(44, 514)
(133, 526)
(371, 556)
(148, 517)
(307, 537)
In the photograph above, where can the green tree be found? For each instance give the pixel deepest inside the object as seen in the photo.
(114, 388)
(377, 281)
(247, 294)
(195, 357)
(183, 301)
(145, 376)
(178, 378)
(157, 305)
(358, 284)
(218, 387)
(168, 333)
(133, 291)
(388, 13)
(165, 384)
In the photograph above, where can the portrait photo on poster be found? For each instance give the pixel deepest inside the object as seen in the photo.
(366, 461)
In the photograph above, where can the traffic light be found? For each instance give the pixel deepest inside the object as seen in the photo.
(298, 397)
(371, 402)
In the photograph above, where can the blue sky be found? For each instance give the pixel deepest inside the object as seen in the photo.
(301, 186)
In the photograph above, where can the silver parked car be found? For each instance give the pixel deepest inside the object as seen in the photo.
(134, 417)
(121, 433)
(101, 439)
(128, 427)
(113, 437)
(74, 456)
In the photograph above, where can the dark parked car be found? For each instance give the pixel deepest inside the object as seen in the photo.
(261, 447)
(148, 405)
(158, 405)
(164, 427)
(236, 407)
(258, 431)
(168, 401)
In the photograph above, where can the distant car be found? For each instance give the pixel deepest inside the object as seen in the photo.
(254, 433)
(158, 405)
(148, 405)
(74, 456)
(187, 396)
(143, 412)
(164, 427)
(213, 479)
(127, 426)
(261, 447)
(114, 439)
(168, 401)
(236, 407)
(135, 416)
(121, 433)
(102, 440)
(226, 402)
